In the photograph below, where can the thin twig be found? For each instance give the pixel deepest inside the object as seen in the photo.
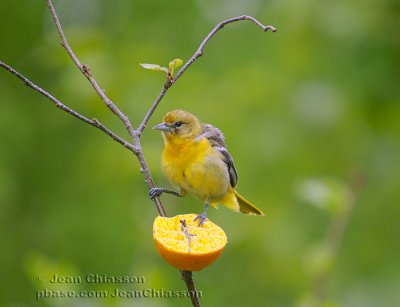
(87, 72)
(195, 56)
(187, 276)
(147, 175)
(93, 122)
(153, 107)
(113, 107)
(219, 26)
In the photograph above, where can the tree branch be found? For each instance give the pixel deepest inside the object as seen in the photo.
(153, 107)
(219, 26)
(93, 122)
(187, 276)
(87, 72)
(195, 56)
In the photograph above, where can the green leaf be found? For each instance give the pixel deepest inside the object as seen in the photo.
(175, 64)
(154, 67)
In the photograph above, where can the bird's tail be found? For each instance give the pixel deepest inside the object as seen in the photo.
(247, 207)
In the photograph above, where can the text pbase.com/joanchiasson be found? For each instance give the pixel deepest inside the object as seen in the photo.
(113, 293)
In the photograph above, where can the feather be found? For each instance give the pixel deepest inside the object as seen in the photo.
(217, 140)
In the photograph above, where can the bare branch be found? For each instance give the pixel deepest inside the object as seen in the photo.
(196, 55)
(87, 72)
(199, 51)
(147, 175)
(132, 132)
(92, 122)
(153, 107)
(188, 278)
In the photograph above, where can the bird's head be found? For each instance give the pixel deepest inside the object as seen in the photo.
(179, 124)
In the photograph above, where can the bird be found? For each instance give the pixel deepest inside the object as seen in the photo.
(195, 159)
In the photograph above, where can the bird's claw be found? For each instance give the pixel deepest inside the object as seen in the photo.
(154, 192)
(201, 217)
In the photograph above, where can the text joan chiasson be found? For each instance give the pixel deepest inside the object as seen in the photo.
(97, 279)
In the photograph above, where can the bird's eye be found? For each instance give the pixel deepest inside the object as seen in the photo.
(178, 124)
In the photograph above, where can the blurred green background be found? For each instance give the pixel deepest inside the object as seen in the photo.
(311, 115)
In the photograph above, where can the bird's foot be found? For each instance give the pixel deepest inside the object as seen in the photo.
(201, 217)
(154, 192)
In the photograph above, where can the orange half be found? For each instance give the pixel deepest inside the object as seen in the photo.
(185, 245)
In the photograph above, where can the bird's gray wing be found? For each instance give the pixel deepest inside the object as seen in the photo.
(214, 135)
(217, 140)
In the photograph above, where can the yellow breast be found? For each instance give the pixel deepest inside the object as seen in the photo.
(195, 166)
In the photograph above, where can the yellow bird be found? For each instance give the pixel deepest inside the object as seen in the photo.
(196, 160)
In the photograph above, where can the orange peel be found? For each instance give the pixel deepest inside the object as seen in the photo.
(186, 246)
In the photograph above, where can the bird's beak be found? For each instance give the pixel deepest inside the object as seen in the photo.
(163, 127)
